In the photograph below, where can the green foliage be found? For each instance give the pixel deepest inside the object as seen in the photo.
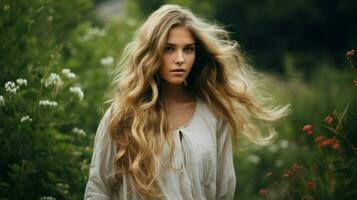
(55, 70)
(311, 30)
(322, 93)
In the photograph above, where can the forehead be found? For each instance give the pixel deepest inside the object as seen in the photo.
(180, 35)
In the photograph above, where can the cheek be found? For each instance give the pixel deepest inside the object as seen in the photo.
(191, 60)
(166, 61)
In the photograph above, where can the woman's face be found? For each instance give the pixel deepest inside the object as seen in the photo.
(178, 57)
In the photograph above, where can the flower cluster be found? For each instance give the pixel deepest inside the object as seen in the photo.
(93, 32)
(307, 129)
(11, 87)
(53, 79)
(293, 172)
(79, 132)
(107, 60)
(2, 101)
(350, 55)
(21, 81)
(77, 91)
(322, 141)
(47, 103)
(47, 198)
(63, 187)
(25, 119)
(264, 192)
(68, 74)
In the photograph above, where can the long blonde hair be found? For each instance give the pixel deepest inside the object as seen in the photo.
(220, 77)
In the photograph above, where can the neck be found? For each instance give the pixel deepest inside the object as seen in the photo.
(172, 93)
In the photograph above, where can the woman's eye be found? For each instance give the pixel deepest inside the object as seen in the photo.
(168, 49)
(189, 49)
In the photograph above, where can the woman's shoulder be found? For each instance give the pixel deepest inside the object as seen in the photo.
(205, 111)
(107, 113)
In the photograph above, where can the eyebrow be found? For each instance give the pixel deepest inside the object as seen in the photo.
(171, 44)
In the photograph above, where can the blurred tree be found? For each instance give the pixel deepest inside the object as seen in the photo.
(269, 30)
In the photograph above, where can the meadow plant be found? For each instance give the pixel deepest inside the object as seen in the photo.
(329, 170)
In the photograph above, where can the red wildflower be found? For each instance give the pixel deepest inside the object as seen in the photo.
(287, 174)
(350, 53)
(328, 120)
(326, 142)
(307, 128)
(264, 192)
(319, 139)
(310, 185)
(336, 144)
(296, 168)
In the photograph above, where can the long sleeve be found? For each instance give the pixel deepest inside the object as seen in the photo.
(101, 173)
(226, 179)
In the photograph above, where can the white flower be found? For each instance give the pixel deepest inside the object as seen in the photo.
(53, 79)
(47, 198)
(273, 148)
(63, 187)
(47, 103)
(79, 132)
(11, 87)
(107, 61)
(68, 74)
(77, 91)
(93, 32)
(253, 158)
(50, 18)
(21, 81)
(284, 144)
(25, 119)
(2, 101)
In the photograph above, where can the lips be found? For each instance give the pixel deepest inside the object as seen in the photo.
(178, 70)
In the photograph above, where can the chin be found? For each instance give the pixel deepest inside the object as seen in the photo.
(176, 82)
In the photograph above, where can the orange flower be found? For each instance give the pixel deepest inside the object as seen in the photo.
(264, 192)
(307, 128)
(328, 120)
(310, 185)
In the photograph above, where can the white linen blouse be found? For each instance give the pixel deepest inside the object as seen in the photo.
(203, 154)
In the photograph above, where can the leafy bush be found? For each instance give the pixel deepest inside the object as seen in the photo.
(55, 71)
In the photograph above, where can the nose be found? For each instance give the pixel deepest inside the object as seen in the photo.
(179, 58)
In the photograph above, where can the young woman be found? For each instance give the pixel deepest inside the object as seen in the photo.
(183, 90)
